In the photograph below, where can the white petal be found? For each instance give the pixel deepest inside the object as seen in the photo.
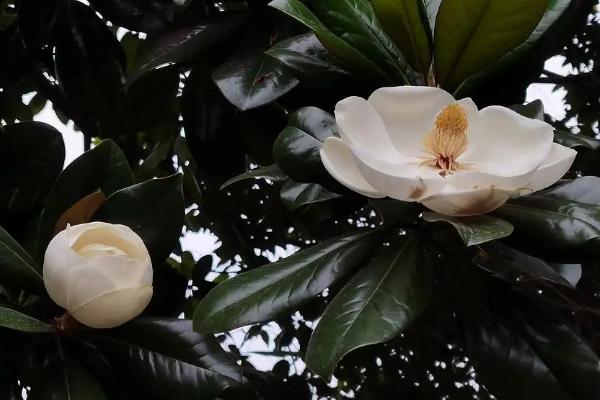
(56, 268)
(470, 109)
(503, 143)
(552, 169)
(407, 179)
(114, 308)
(110, 235)
(91, 277)
(461, 203)
(340, 163)
(361, 126)
(408, 113)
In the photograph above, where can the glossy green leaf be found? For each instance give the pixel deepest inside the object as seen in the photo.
(552, 225)
(105, 167)
(164, 358)
(184, 44)
(471, 36)
(572, 361)
(66, 380)
(406, 23)
(309, 60)
(554, 10)
(153, 209)
(378, 303)
(350, 57)
(583, 190)
(474, 230)
(212, 126)
(149, 100)
(575, 140)
(31, 157)
(18, 268)
(250, 81)
(136, 15)
(295, 195)
(355, 22)
(507, 364)
(508, 263)
(16, 320)
(89, 63)
(270, 172)
(266, 292)
(540, 354)
(296, 149)
(158, 155)
(393, 211)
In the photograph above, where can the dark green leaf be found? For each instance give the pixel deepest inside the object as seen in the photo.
(296, 149)
(355, 22)
(406, 23)
(470, 37)
(351, 57)
(89, 64)
(554, 10)
(538, 353)
(184, 44)
(250, 81)
(149, 99)
(267, 292)
(138, 15)
(549, 224)
(395, 211)
(31, 157)
(164, 358)
(508, 366)
(295, 195)
(148, 167)
(211, 127)
(18, 268)
(575, 140)
(378, 303)
(104, 167)
(270, 172)
(509, 263)
(153, 209)
(474, 230)
(66, 380)
(309, 60)
(572, 361)
(583, 190)
(13, 319)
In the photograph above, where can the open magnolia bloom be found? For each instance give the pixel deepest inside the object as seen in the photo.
(417, 143)
(101, 273)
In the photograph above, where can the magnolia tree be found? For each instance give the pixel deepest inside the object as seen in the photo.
(296, 199)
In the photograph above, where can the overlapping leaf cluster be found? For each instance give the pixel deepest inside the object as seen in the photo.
(226, 104)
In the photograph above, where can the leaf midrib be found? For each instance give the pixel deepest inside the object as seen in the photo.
(379, 284)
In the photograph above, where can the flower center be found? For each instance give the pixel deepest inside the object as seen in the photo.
(448, 139)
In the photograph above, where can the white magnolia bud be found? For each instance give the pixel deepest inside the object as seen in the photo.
(101, 273)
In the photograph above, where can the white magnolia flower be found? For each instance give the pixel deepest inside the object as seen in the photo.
(416, 143)
(100, 273)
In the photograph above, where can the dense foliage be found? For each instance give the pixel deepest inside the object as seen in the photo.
(227, 104)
